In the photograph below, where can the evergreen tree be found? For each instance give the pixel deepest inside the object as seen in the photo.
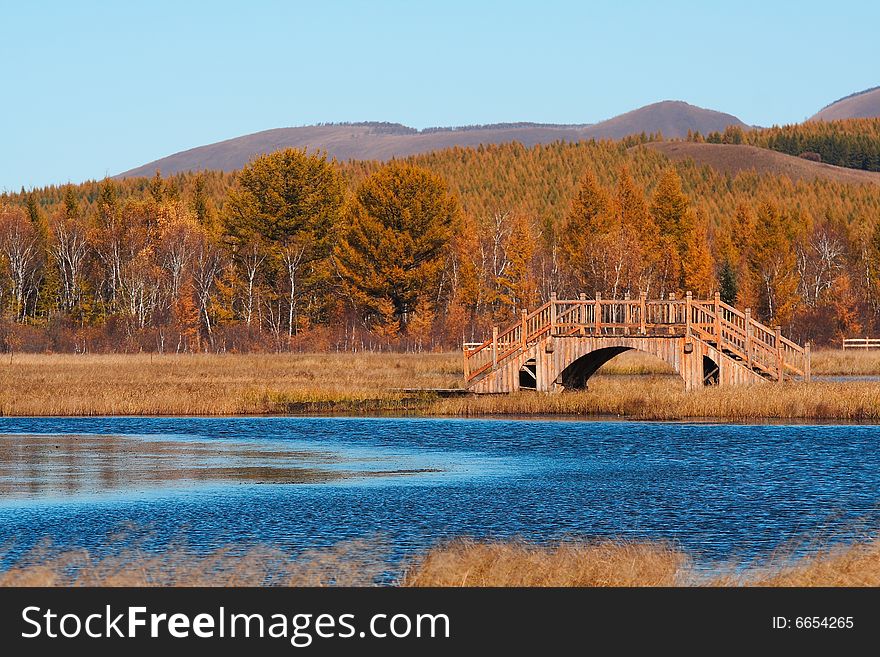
(290, 201)
(391, 257)
(727, 280)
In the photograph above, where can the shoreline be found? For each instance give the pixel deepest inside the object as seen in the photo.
(536, 417)
(632, 387)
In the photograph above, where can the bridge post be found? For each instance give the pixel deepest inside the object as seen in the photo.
(779, 361)
(582, 314)
(494, 347)
(671, 313)
(467, 372)
(552, 314)
(597, 313)
(524, 329)
(627, 313)
(688, 300)
(807, 366)
(718, 320)
(642, 308)
(749, 337)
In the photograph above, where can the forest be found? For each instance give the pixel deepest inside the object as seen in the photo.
(296, 252)
(851, 143)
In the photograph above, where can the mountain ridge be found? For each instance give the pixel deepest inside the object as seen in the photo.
(376, 140)
(859, 105)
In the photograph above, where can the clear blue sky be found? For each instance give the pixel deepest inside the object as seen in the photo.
(94, 88)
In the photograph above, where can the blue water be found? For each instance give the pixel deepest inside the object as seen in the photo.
(718, 491)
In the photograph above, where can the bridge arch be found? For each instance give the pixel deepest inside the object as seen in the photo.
(572, 362)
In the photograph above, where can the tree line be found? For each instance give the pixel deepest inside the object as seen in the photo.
(851, 143)
(298, 252)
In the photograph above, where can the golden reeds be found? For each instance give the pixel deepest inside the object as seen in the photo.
(467, 563)
(633, 385)
(459, 563)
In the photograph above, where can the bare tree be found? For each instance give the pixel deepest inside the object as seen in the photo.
(68, 248)
(251, 258)
(821, 258)
(206, 267)
(292, 256)
(20, 247)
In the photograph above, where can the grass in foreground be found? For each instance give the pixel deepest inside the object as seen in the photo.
(633, 385)
(461, 563)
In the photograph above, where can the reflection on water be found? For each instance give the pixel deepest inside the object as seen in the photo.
(64, 465)
(718, 491)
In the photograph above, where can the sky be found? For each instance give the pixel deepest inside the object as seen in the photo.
(90, 88)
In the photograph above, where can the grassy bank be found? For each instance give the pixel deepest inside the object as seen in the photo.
(228, 384)
(633, 385)
(462, 563)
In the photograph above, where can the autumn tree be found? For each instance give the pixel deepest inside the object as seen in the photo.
(697, 273)
(289, 202)
(517, 285)
(390, 258)
(587, 219)
(771, 267)
(671, 212)
(634, 246)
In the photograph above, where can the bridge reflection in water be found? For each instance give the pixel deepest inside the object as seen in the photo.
(562, 344)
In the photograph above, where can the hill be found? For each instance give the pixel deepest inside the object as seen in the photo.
(852, 143)
(383, 141)
(733, 159)
(672, 118)
(861, 105)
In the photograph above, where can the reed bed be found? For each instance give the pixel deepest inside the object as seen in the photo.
(664, 398)
(348, 563)
(224, 384)
(467, 563)
(633, 385)
(460, 563)
(851, 362)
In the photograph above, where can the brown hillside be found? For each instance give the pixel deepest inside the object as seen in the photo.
(863, 105)
(671, 117)
(383, 141)
(732, 159)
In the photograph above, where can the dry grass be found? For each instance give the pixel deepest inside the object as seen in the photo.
(142, 384)
(460, 563)
(349, 563)
(837, 362)
(664, 398)
(633, 385)
(466, 563)
(854, 566)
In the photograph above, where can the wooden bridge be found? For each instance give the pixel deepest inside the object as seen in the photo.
(562, 344)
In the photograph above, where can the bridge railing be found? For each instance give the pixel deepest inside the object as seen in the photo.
(712, 321)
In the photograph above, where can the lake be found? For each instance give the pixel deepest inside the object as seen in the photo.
(719, 491)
